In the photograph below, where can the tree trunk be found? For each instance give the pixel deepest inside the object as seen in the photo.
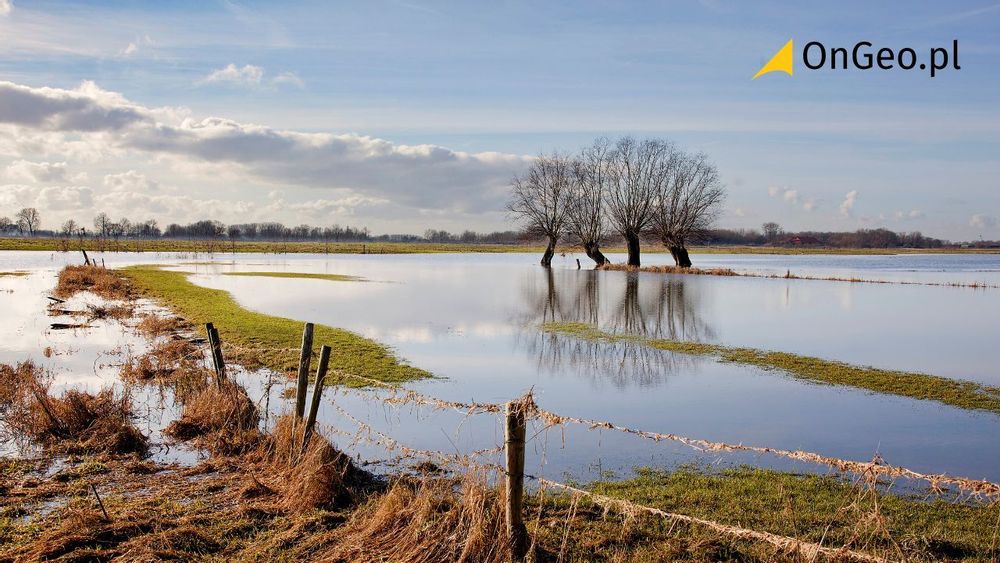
(550, 251)
(593, 251)
(633, 249)
(681, 258)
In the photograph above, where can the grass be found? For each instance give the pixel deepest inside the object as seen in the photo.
(957, 393)
(16, 273)
(208, 246)
(257, 339)
(297, 275)
(808, 507)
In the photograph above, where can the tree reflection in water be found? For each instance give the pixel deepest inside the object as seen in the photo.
(651, 305)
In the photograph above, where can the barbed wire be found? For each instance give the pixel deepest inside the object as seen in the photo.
(625, 507)
(400, 396)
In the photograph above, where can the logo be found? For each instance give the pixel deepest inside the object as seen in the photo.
(862, 56)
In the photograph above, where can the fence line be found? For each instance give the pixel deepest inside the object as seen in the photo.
(789, 544)
(877, 467)
(625, 507)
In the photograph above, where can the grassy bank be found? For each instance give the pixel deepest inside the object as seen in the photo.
(296, 275)
(807, 507)
(259, 339)
(222, 247)
(957, 393)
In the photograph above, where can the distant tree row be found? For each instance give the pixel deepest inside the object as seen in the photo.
(771, 233)
(635, 188)
(27, 223)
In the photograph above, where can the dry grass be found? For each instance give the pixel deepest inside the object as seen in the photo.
(222, 419)
(152, 326)
(319, 477)
(103, 282)
(671, 270)
(424, 521)
(76, 423)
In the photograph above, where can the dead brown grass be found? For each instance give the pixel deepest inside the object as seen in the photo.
(220, 418)
(152, 325)
(77, 423)
(671, 270)
(103, 282)
(424, 521)
(318, 477)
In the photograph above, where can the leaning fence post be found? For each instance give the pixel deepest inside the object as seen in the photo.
(514, 446)
(324, 362)
(215, 348)
(303, 382)
(220, 362)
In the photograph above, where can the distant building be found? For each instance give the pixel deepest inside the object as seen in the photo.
(803, 240)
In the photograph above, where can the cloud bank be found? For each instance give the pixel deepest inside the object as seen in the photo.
(90, 120)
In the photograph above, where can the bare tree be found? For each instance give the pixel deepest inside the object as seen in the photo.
(635, 173)
(689, 202)
(103, 224)
(69, 228)
(771, 231)
(6, 225)
(539, 199)
(28, 220)
(585, 218)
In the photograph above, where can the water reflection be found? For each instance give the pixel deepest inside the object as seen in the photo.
(654, 306)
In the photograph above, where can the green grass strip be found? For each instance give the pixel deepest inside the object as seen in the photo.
(298, 275)
(813, 508)
(957, 393)
(273, 340)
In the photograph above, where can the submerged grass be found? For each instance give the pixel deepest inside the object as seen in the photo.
(298, 275)
(255, 339)
(953, 392)
(819, 509)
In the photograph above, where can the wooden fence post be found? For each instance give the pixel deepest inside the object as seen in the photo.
(215, 346)
(324, 362)
(303, 382)
(514, 446)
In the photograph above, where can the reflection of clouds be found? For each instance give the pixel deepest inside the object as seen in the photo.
(658, 306)
(845, 296)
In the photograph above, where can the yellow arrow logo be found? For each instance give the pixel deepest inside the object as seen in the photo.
(781, 61)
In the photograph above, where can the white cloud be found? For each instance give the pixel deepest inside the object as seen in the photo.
(36, 171)
(130, 50)
(288, 78)
(911, 214)
(247, 75)
(793, 197)
(65, 198)
(130, 181)
(5, 7)
(847, 206)
(414, 176)
(983, 221)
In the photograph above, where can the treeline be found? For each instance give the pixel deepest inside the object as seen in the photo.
(27, 223)
(772, 234)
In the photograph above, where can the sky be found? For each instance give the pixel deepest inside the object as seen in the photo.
(408, 115)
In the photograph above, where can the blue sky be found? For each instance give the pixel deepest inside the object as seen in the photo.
(331, 109)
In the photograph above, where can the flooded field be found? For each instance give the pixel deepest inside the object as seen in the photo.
(474, 321)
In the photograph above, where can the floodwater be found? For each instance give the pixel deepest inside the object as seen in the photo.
(473, 321)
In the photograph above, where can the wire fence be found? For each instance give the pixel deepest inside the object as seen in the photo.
(519, 411)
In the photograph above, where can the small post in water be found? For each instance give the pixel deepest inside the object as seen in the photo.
(514, 446)
(324, 362)
(220, 363)
(215, 348)
(303, 382)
